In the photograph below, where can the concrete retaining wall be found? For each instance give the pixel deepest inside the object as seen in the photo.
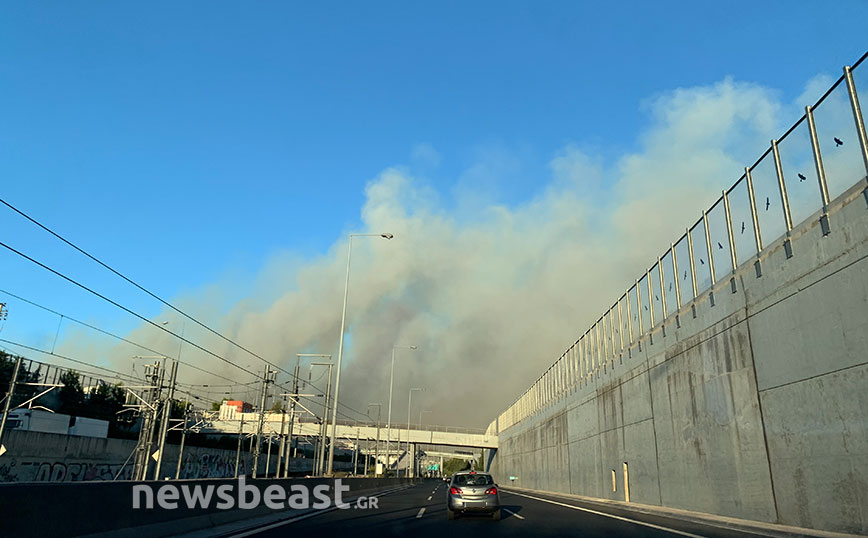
(49, 457)
(757, 408)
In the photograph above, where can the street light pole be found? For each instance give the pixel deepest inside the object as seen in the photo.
(341, 349)
(389, 418)
(409, 403)
(320, 459)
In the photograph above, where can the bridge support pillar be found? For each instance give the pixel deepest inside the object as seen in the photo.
(490, 459)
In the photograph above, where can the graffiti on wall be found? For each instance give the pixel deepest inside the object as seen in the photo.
(211, 466)
(14, 470)
(195, 465)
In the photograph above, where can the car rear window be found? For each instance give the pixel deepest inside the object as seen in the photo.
(473, 480)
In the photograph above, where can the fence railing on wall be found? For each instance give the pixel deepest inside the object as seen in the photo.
(817, 158)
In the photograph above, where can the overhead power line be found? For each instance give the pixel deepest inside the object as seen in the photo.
(111, 334)
(115, 374)
(148, 292)
(139, 286)
(122, 307)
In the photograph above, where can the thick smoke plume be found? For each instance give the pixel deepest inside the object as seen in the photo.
(491, 294)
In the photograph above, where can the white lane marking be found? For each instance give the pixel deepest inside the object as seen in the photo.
(620, 518)
(510, 512)
(429, 497)
(421, 511)
(264, 528)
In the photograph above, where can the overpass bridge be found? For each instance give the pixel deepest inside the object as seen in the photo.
(457, 437)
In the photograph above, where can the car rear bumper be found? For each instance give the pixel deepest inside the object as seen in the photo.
(489, 504)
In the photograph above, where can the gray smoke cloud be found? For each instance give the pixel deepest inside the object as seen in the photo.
(491, 294)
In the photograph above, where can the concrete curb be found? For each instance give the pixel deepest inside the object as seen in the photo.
(653, 514)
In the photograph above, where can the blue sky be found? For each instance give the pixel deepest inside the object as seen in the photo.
(189, 143)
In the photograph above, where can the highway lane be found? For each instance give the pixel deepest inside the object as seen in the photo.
(420, 511)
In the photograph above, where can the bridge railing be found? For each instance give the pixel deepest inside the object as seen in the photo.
(414, 427)
(811, 164)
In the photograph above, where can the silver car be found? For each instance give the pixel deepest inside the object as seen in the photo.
(473, 492)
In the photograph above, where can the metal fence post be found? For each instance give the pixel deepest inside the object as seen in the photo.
(757, 235)
(821, 172)
(662, 288)
(580, 345)
(732, 257)
(650, 300)
(860, 123)
(675, 275)
(629, 321)
(621, 325)
(690, 253)
(598, 358)
(677, 285)
(785, 200)
(710, 255)
(639, 308)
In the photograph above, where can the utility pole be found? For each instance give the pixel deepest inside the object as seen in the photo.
(164, 423)
(377, 446)
(367, 455)
(257, 448)
(153, 378)
(9, 396)
(183, 437)
(356, 454)
(240, 435)
(295, 391)
(292, 400)
(324, 425)
(319, 452)
(268, 456)
(280, 460)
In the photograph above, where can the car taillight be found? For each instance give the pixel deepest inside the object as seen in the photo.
(454, 491)
(491, 491)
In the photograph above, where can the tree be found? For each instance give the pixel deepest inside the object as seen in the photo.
(99, 402)
(277, 407)
(71, 394)
(179, 408)
(453, 465)
(22, 392)
(106, 403)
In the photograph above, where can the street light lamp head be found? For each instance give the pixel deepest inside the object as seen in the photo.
(387, 236)
(412, 347)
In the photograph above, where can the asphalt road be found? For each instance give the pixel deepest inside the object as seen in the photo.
(420, 511)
